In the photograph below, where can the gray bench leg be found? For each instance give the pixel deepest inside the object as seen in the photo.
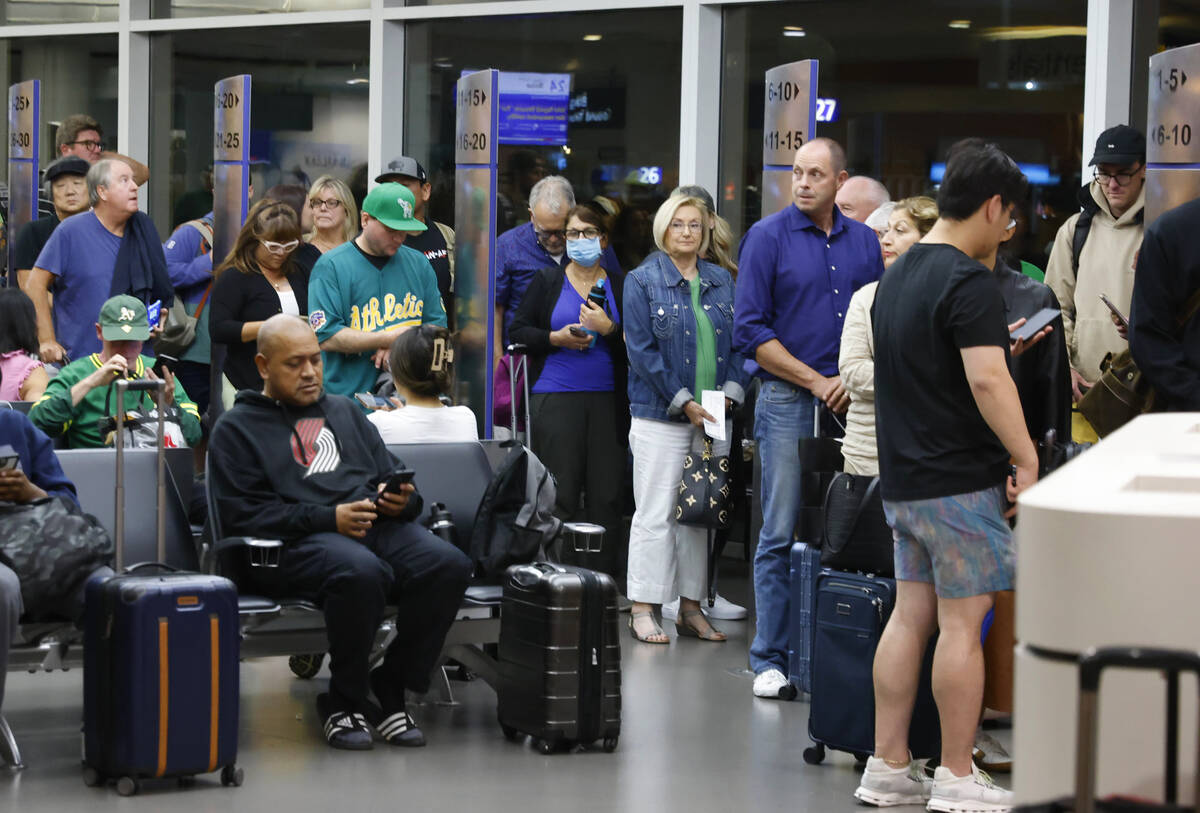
(475, 659)
(8, 746)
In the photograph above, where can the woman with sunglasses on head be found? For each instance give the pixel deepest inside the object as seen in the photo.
(334, 215)
(258, 279)
(570, 319)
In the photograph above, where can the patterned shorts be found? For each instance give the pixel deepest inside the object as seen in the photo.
(960, 544)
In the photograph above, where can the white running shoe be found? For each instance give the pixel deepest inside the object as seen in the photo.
(974, 793)
(885, 786)
(773, 684)
(722, 610)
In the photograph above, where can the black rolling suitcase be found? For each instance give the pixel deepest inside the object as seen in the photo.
(161, 653)
(1091, 665)
(560, 660)
(851, 612)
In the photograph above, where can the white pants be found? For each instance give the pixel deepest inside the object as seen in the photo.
(665, 560)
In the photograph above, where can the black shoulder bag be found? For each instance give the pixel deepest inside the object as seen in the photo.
(857, 537)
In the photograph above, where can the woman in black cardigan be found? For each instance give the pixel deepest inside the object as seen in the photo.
(258, 279)
(577, 380)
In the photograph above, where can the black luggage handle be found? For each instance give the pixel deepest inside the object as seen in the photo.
(144, 565)
(1091, 664)
(159, 387)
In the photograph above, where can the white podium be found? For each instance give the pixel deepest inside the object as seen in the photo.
(1108, 554)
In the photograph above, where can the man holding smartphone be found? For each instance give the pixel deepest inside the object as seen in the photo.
(297, 464)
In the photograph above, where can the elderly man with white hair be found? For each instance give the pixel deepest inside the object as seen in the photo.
(530, 247)
(859, 196)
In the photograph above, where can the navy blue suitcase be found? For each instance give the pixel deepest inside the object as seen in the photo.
(161, 653)
(805, 565)
(851, 611)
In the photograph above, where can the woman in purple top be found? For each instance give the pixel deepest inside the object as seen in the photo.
(577, 375)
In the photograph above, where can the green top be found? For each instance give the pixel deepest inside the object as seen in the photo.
(54, 414)
(706, 343)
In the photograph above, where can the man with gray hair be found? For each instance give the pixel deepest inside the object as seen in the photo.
(535, 245)
(859, 196)
(109, 250)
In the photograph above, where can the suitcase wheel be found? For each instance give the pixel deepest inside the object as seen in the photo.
(128, 786)
(814, 755)
(510, 733)
(545, 746)
(306, 667)
(610, 744)
(860, 760)
(232, 776)
(92, 777)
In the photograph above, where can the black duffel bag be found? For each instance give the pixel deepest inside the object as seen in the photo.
(53, 547)
(857, 537)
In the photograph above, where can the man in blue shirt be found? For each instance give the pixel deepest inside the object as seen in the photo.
(530, 247)
(797, 271)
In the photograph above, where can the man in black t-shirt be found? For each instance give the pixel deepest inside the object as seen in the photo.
(437, 244)
(67, 178)
(949, 420)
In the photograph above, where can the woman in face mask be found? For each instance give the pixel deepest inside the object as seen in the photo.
(570, 321)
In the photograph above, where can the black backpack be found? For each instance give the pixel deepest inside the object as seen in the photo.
(515, 520)
(1084, 224)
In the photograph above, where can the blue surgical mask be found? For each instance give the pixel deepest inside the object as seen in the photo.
(585, 251)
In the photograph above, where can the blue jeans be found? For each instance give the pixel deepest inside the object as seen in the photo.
(782, 415)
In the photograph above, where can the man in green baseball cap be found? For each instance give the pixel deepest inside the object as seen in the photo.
(364, 293)
(78, 398)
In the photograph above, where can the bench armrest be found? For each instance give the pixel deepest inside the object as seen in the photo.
(260, 552)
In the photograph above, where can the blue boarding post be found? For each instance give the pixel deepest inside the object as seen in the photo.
(789, 121)
(475, 139)
(231, 194)
(24, 152)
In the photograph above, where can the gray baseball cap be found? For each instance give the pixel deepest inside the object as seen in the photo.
(402, 167)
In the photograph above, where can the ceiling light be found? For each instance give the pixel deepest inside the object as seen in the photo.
(1033, 32)
(794, 31)
(358, 80)
(960, 24)
(592, 37)
(1031, 85)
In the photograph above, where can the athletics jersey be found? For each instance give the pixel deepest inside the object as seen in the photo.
(347, 291)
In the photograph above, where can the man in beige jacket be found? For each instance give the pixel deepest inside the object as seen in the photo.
(1110, 230)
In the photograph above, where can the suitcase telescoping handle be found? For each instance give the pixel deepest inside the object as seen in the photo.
(1091, 665)
(519, 363)
(159, 389)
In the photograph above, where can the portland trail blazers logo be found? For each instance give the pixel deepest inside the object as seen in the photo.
(313, 446)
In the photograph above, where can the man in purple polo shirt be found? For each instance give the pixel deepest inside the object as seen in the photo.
(797, 271)
(530, 247)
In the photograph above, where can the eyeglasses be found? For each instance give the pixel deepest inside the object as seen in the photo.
(331, 204)
(579, 234)
(90, 144)
(679, 227)
(555, 234)
(1122, 178)
(280, 248)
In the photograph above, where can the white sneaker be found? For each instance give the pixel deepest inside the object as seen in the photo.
(722, 610)
(974, 793)
(773, 684)
(885, 786)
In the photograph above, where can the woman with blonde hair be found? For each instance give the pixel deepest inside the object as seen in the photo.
(720, 233)
(258, 279)
(334, 215)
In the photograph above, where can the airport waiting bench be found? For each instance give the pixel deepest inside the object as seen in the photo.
(454, 474)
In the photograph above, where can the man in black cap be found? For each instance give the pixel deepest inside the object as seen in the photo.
(1094, 253)
(67, 179)
(436, 244)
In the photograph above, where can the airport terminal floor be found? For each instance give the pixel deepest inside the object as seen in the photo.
(693, 738)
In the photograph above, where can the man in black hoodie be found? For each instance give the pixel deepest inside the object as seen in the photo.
(295, 464)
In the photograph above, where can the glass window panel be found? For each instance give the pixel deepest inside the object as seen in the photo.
(308, 110)
(220, 8)
(908, 85)
(622, 135)
(32, 12)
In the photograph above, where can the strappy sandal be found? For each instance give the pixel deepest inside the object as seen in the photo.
(685, 630)
(647, 639)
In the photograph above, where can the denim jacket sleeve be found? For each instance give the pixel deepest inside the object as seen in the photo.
(646, 359)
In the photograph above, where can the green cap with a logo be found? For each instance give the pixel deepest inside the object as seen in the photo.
(123, 319)
(393, 205)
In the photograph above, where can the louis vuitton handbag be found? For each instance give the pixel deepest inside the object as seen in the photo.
(705, 496)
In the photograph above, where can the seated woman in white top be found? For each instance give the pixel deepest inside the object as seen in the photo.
(420, 360)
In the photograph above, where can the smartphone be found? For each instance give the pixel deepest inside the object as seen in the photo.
(1035, 323)
(9, 462)
(398, 478)
(1115, 312)
(577, 331)
(371, 401)
(154, 313)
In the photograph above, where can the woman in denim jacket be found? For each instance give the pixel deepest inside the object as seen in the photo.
(678, 332)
